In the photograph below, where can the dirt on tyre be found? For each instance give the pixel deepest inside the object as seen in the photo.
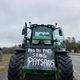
(15, 65)
(65, 67)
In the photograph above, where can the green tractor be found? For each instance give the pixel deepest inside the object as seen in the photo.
(42, 55)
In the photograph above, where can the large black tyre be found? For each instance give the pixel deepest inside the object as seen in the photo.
(15, 65)
(65, 67)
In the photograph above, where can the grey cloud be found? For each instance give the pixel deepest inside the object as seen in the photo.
(13, 14)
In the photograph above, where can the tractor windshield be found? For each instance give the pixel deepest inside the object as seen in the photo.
(41, 34)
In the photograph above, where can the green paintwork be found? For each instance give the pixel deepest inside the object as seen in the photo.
(41, 38)
(40, 72)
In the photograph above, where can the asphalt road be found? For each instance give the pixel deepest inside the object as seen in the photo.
(3, 76)
(76, 64)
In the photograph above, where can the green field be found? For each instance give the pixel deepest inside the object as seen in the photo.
(4, 62)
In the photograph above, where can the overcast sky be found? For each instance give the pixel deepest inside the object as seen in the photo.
(14, 13)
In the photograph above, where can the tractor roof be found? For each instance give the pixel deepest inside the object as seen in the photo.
(41, 25)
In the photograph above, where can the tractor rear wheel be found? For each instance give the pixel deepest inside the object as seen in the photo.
(65, 67)
(15, 65)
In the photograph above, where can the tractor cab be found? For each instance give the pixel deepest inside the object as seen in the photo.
(45, 35)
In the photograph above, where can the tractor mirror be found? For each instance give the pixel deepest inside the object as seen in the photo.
(60, 32)
(24, 31)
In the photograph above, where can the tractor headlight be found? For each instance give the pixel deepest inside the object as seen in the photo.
(63, 49)
(35, 41)
(47, 41)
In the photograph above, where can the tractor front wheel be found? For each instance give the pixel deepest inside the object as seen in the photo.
(15, 65)
(65, 67)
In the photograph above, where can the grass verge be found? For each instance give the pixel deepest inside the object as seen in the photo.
(76, 54)
(4, 62)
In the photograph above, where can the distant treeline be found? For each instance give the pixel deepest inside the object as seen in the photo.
(71, 44)
(9, 50)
